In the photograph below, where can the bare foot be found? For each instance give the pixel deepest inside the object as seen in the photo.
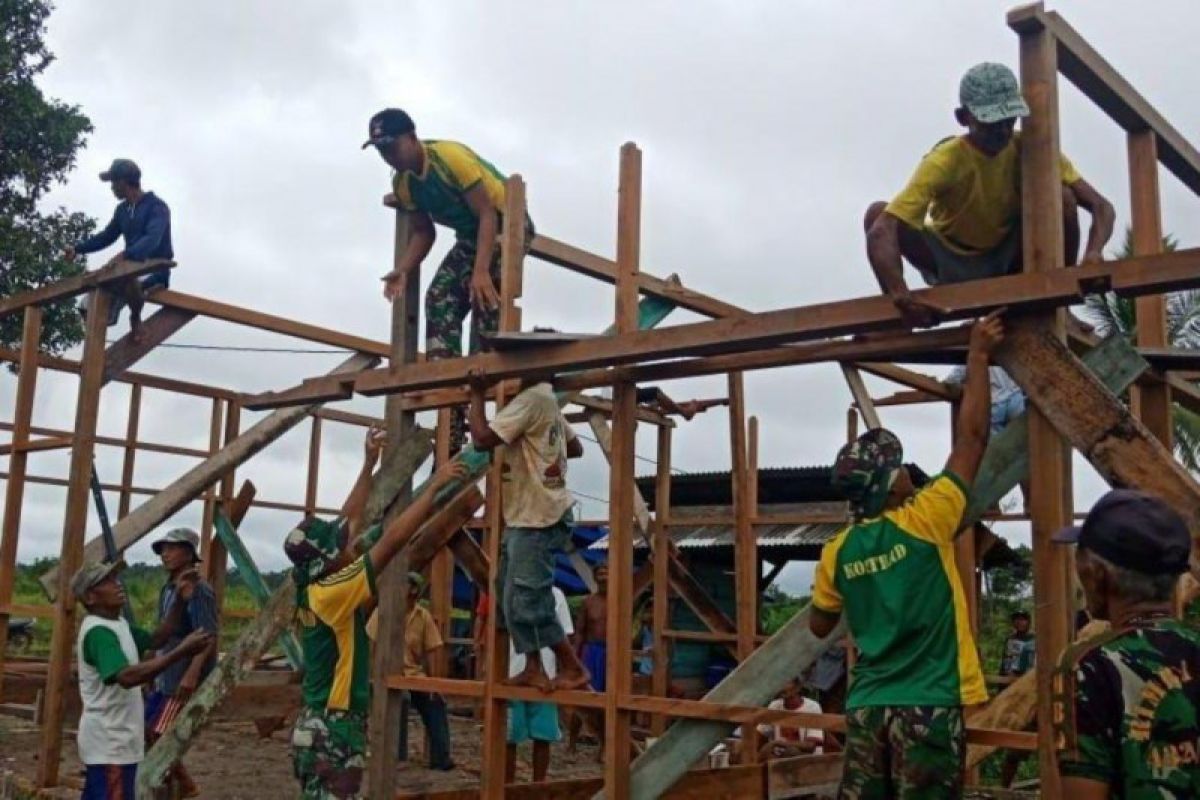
(571, 679)
(533, 678)
(136, 335)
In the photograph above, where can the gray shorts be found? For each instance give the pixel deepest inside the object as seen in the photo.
(954, 267)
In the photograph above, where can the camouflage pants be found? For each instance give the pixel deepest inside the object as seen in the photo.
(329, 753)
(447, 303)
(912, 752)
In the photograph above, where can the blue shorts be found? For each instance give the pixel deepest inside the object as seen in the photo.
(1006, 410)
(537, 721)
(109, 782)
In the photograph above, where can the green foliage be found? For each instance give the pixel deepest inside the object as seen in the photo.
(39, 140)
(1112, 314)
(776, 607)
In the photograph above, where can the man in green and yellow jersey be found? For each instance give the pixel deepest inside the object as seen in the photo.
(448, 183)
(892, 573)
(335, 591)
(959, 217)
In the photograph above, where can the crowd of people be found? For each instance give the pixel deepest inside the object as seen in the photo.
(1126, 703)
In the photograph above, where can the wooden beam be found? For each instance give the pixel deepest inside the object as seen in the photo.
(862, 398)
(137, 378)
(745, 550)
(149, 515)
(314, 466)
(1027, 292)
(87, 409)
(81, 284)
(36, 445)
(914, 380)
(603, 405)
(156, 329)
(210, 494)
(203, 306)
(594, 266)
(14, 492)
(216, 564)
(1151, 400)
(1049, 457)
(1105, 87)
(617, 721)
(660, 677)
(130, 450)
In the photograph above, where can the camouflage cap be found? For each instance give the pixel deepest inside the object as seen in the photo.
(93, 573)
(866, 468)
(991, 93)
(313, 546)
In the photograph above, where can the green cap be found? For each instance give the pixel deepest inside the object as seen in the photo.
(93, 573)
(991, 93)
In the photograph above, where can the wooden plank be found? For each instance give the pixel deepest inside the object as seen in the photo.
(14, 492)
(179, 493)
(156, 329)
(1028, 292)
(203, 306)
(617, 721)
(87, 408)
(36, 445)
(1049, 457)
(1152, 401)
(81, 284)
(790, 777)
(387, 653)
(210, 494)
(601, 404)
(745, 545)
(1100, 82)
(660, 677)
(585, 263)
(862, 398)
(470, 557)
(117, 441)
(314, 466)
(130, 450)
(441, 569)
(913, 380)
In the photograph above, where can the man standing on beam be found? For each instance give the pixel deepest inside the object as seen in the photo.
(536, 442)
(959, 217)
(335, 590)
(892, 572)
(445, 182)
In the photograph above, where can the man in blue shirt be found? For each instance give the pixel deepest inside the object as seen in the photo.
(145, 223)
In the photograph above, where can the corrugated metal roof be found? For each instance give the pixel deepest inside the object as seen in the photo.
(706, 536)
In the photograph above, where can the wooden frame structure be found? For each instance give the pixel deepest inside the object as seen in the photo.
(733, 341)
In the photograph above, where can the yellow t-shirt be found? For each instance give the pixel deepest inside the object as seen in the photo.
(969, 200)
(535, 439)
(451, 169)
(421, 635)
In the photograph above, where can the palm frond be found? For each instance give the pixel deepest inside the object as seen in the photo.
(1186, 426)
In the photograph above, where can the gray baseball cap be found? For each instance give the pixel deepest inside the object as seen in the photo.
(121, 169)
(991, 93)
(178, 536)
(92, 573)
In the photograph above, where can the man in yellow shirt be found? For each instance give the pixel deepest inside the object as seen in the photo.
(959, 217)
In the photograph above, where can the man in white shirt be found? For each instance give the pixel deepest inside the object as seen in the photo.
(789, 740)
(535, 721)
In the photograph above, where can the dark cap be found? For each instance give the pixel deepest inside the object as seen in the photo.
(178, 536)
(1019, 614)
(1134, 530)
(93, 573)
(388, 125)
(122, 169)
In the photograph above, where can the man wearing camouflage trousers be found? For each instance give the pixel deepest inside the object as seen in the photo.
(893, 574)
(448, 183)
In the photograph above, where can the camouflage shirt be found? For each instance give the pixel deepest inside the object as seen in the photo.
(1125, 711)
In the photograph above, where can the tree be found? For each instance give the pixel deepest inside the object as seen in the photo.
(39, 139)
(1113, 314)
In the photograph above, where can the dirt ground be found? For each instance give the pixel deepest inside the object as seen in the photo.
(231, 762)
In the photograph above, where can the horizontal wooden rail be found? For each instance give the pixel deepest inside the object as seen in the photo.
(37, 445)
(79, 284)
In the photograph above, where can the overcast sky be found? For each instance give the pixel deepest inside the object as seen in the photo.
(766, 129)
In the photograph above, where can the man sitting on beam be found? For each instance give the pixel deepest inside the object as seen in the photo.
(448, 183)
(959, 217)
(335, 591)
(536, 442)
(893, 574)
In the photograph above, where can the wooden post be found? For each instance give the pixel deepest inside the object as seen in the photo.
(495, 716)
(131, 435)
(851, 424)
(621, 485)
(752, 463)
(1049, 456)
(210, 494)
(217, 562)
(661, 677)
(87, 408)
(745, 550)
(1153, 401)
(314, 467)
(441, 569)
(388, 651)
(14, 492)
(966, 559)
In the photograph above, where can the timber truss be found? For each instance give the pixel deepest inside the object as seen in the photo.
(1073, 381)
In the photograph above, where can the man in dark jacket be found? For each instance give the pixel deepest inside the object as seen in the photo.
(145, 223)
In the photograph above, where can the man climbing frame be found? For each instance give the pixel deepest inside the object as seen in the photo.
(335, 590)
(892, 572)
(445, 182)
(959, 217)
